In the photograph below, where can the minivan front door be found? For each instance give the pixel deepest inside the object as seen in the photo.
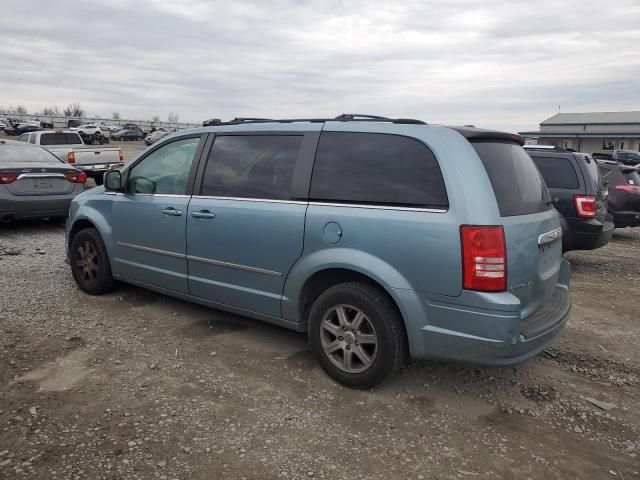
(149, 219)
(244, 231)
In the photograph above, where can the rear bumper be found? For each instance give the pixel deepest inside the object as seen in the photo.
(584, 234)
(35, 206)
(626, 219)
(485, 328)
(98, 168)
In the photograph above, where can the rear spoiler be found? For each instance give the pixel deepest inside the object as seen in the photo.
(472, 133)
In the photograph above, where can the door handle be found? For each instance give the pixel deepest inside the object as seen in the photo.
(174, 212)
(205, 214)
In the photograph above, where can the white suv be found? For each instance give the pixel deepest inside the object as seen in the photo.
(87, 129)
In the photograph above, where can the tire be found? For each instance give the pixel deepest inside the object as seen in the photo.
(97, 278)
(339, 307)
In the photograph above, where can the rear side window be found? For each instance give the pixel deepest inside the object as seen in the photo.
(373, 168)
(594, 178)
(557, 172)
(517, 183)
(60, 138)
(248, 166)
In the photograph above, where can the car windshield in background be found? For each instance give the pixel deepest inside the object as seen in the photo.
(59, 138)
(516, 181)
(24, 153)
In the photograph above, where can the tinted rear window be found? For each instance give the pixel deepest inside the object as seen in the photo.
(60, 139)
(557, 172)
(25, 153)
(249, 166)
(373, 168)
(517, 183)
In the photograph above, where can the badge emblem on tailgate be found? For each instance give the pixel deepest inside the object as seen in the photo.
(550, 236)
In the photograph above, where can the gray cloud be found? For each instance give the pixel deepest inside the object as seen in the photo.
(493, 64)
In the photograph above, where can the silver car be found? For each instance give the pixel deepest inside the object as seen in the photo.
(35, 183)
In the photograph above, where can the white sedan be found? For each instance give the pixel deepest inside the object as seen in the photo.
(110, 127)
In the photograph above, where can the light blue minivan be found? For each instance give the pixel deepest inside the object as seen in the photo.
(384, 239)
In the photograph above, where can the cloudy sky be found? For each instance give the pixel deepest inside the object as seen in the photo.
(491, 63)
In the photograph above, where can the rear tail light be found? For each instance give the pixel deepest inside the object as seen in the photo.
(628, 188)
(586, 206)
(121, 155)
(76, 177)
(484, 258)
(71, 157)
(8, 177)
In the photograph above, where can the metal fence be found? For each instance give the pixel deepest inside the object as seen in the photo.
(61, 121)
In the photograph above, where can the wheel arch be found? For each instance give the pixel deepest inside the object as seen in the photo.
(92, 219)
(321, 280)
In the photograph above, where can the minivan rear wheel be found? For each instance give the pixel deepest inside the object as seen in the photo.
(356, 333)
(90, 262)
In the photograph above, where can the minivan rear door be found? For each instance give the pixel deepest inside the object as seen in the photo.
(531, 225)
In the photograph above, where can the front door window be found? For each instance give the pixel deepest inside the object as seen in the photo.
(165, 171)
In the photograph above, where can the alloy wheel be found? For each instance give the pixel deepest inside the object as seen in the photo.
(88, 263)
(348, 338)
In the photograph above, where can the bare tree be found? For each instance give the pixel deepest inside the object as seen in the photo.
(155, 118)
(18, 109)
(74, 110)
(115, 115)
(173, 117)
(51, 110)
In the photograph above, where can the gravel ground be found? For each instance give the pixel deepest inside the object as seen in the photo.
(135, 385)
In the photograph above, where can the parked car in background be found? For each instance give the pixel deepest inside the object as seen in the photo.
(108, 127)
(20, 128)
(34, 183)
(383, 238)
(156, 135)
(623, 182)
(88, 129)
(68, 146)
(579, 194)
(127, 134)
(628, 157)
(3, 124)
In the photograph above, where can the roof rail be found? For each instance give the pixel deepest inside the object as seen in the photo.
(345, 117)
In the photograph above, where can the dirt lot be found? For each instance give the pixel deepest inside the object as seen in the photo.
(135, 385)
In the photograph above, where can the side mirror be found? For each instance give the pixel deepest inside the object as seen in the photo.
(113, 181)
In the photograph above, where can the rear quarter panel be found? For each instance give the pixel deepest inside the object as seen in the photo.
(410, 250)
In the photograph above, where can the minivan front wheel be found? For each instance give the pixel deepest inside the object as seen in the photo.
(356, 333)
(90, 262)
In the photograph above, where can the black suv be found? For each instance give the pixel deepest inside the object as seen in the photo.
(579, 194)
(628, 157)
(623, 182)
